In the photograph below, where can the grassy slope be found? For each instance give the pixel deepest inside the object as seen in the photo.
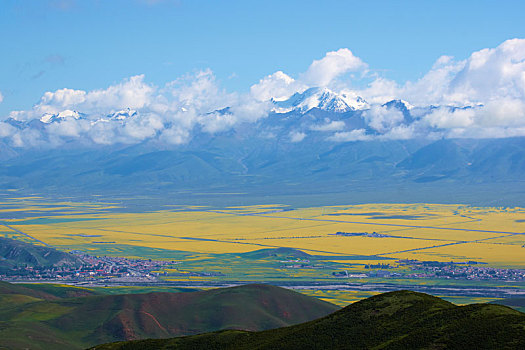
(18, 253)
(9, 288)
(396, 320)
(80, 322)
(515, 303)
(61, 291)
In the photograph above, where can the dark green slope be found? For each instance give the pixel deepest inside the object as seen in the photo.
(15, 289)
(282, 252)
(14, 253)
(396, 320)
(515, 303)
(60, 291)
(81, 322)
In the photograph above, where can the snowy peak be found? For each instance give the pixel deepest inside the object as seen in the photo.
(66, 114)
(122, 114)
(321, 98)
(402, 105)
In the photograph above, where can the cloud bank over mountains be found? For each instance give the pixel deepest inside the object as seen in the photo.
(482, 96)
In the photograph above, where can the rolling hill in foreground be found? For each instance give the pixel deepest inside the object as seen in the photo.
(515, 303)
(395, 320)
(47, 318)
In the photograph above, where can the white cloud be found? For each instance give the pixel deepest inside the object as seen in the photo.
(246, 109)
(216, 122)
(434, 86)
(103, 133)
(382, 119)
(1, 97)
(277, 86)
(297, 136)
(493, 73)
(6, 130)
(62, 99)
(68, 127)
(28, 138)
(175, 135)
(448, 119)
(197, 92)
(130, 93)
(403, 132)
(380, 91)
(334, 125)
(491, 81)
(335, 63)
(346, 136)
(144, 127)
(487, 75)
(320, 73)
(488, 87)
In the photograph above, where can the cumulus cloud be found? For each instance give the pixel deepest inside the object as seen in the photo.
(334, 125)
(130, 93)
(320, 73)
(335, 63)
(277, 86)
(492, 73)
(346, 136)
(488, 87)
(133, 110)
(197, 92)
(482, 95)
(382, 118)
(6, 130)
(297, 136)
(175, 135)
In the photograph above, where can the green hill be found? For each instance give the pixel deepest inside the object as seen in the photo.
(283, 252)
(43, 291)
(29, 321)
(515, 303)
(14, 253)
(395, 320)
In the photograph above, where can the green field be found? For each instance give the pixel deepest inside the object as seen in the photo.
(231, 244)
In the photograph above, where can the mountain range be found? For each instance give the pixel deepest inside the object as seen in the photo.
(315, 139)
(62, 317)
(395, 320)
(40, 316)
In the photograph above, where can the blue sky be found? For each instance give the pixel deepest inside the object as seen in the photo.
(53, 44)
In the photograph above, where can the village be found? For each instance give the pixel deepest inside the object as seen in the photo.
(470, 270)
(92, 268)
(128, 270)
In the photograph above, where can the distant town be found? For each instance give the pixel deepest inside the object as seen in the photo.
(122, 270)
(470, 270)
(97, 268)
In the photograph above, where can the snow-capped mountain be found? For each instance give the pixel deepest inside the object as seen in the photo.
(399, 104)
(122, 114)
(316, 115)
(66, 114)
(321, 98)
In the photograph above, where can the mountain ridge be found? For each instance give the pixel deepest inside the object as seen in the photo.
(321, 143)
(43, 319)
(15, 253)
(254, 166)
(394, 320)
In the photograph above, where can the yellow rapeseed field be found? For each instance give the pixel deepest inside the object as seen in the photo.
(420, 231)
